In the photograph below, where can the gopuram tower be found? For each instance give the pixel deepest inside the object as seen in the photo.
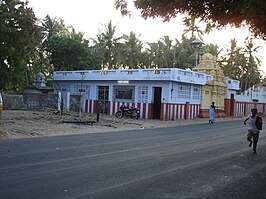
(214, 90)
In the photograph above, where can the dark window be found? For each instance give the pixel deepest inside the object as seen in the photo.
(124, 93)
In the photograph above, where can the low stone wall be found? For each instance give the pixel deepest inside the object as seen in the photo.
(13, 102)
(37, 101)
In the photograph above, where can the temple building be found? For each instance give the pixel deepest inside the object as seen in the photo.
(216, 90)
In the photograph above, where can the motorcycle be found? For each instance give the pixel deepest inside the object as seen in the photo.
(128, 112)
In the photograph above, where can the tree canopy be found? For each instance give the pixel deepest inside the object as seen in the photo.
(215, 12)
(70, 51)
(19, 38)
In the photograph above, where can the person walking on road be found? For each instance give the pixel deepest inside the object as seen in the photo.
(212, 113)
(255, 125)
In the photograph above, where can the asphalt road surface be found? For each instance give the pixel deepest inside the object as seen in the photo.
(195, 161)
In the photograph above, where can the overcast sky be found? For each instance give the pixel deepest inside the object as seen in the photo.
(90, 16)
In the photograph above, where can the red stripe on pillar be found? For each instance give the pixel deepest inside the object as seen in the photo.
(150, 111)
(108, 112)
(138, 105)
(169, 111)
(190, 107)
(166, 111)
(181, 111)
(177, 109)
(113, 109)
(90, 107)
(173, 112)
(186, 110)
(193, 111)
(95, 107)
(162, 111)
(144, 111)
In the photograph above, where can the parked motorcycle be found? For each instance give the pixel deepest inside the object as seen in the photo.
(128, 112)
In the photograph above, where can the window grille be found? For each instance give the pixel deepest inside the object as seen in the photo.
(196, 92)
(184, 91)
(143, 94)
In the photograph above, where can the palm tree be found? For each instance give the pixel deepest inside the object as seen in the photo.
(162, 53)
(152, 51)
(234, 61)
(184, 54)
(252, 73)
(109, 47)
(132, 51)
(241, 64)
(146, 59)
(192, 27)
(52, 27)
(168, 50)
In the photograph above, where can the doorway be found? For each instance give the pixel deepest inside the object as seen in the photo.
(232, 104)
(103, 96)
(157, 100)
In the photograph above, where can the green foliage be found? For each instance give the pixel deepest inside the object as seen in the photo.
(185, 54)
(213, 49)
(52, 27)
(109, 46)
(192, 27)
(19, 36)
(251, 74)
(71, 51)
(234, 61)
(242, 64)
(132, 51)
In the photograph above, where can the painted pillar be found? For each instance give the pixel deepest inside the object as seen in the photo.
(186, 116)
(59, 101)
(68, 101)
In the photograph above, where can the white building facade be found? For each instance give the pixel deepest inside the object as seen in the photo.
(166, 93)
(232, 87)
(253, 94)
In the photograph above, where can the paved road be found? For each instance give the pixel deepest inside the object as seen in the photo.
(195, 161)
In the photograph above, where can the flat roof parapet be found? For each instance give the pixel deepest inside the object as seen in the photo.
(169, 74)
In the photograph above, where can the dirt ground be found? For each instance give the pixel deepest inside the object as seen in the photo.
(24, 124)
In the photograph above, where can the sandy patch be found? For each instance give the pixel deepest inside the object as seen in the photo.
(21, 124)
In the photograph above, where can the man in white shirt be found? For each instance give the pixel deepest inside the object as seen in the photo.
(253, 131)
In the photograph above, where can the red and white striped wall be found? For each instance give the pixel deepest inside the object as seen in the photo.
(244, 108)
(169, 111)
(89, 106)
(145, 108)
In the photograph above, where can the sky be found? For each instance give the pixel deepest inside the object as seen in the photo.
(91, 16)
